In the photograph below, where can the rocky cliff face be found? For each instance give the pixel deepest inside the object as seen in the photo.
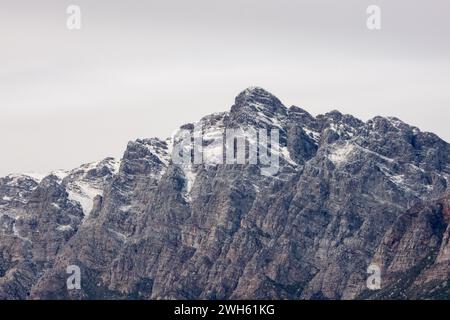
(347, 194)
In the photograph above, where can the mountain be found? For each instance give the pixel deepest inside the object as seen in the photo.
(346, 194)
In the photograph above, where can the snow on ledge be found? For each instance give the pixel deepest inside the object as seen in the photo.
(340, 155)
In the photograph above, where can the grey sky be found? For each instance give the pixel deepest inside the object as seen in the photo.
(142, 68)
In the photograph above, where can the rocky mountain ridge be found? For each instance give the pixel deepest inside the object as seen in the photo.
(347, 194)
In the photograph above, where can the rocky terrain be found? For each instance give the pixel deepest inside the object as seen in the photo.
(348, 194)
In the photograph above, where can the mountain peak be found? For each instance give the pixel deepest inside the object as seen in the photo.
(256, 99)
(254, 90)
(344, 195)
(258, 93)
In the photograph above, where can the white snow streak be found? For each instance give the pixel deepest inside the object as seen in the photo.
(340, 155)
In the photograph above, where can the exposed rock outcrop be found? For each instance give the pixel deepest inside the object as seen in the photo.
(347, 194)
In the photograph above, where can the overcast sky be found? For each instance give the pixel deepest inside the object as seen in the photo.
(142, 68)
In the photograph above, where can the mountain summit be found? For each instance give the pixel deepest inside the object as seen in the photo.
(255, 97)
(348, 195)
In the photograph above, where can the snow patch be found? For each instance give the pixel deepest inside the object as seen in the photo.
(189, 176)
(287, 156)
(83, 193)
(312, 134)
(213, 152)
(17, 234)
(160, 154)
(398, 179)
(187, 168)
(396, 123)
(342, 129)
(60, 174)
(55, 205)
(126, 208)
(374, 153)
(115, 167)
(268, 120)
(38, 177)
(64, 228)
(340, 155)
(17, 178)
